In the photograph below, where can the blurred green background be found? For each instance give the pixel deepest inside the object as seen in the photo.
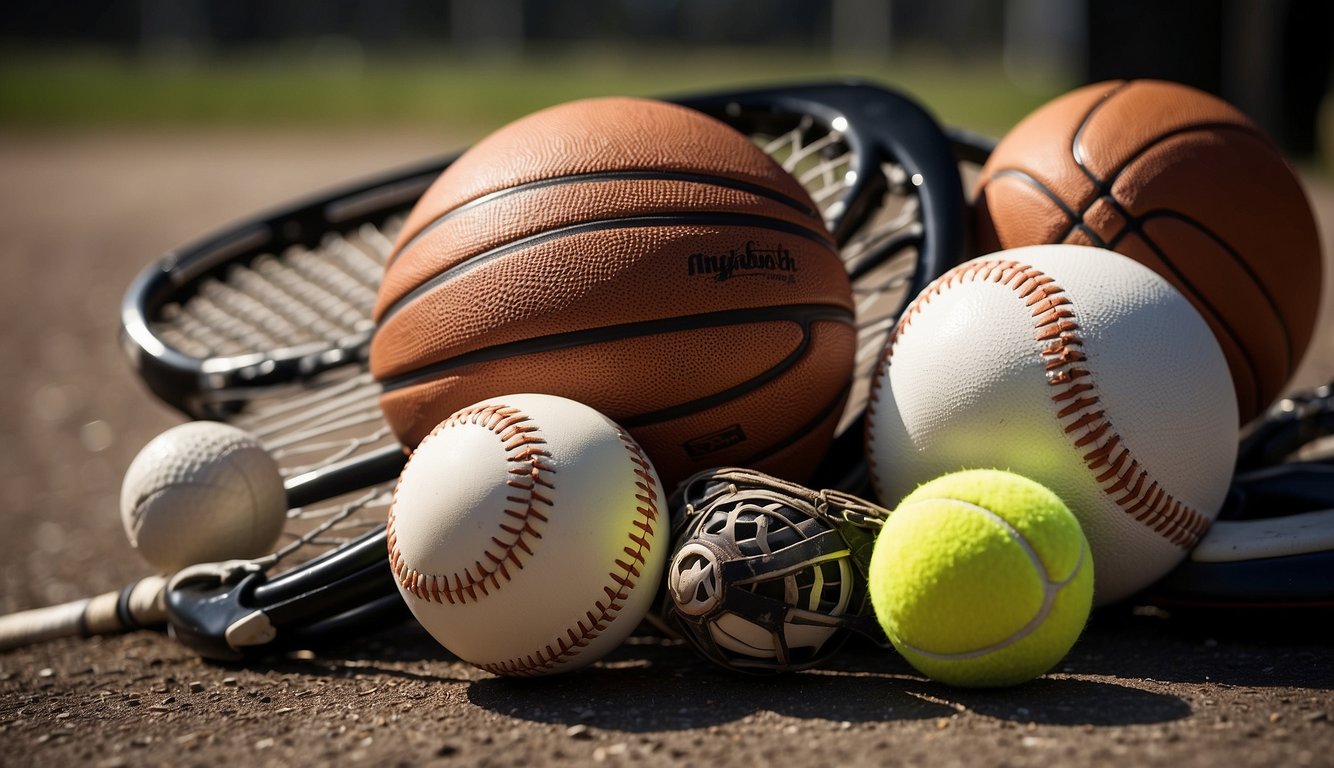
(466, 66)
(308, 86)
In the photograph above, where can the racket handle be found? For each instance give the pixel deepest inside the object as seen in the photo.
(135, 606)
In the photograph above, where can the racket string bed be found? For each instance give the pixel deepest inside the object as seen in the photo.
(818, 157)
(301, 297)
(882, 258)
(331, 525)
(332, 420)
(264, 312)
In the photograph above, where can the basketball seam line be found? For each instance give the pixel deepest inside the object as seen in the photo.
(1117, 472)
(1134, 224)
(1103, 187)
(1204, 307)
(806, 315)
(1104, 190)
(818, 235)
(623, 578)
(835, 406)
(1035, 183)
(1255, 280)
(1075, 143)
(601, 177)
(743, 388)
(528, 474)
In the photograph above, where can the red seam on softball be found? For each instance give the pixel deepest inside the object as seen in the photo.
(622, 580)
(530, 476)
(1078, 403)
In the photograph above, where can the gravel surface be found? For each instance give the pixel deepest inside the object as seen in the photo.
(81, 213)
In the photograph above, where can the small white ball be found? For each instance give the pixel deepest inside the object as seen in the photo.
(202, 492)
(524, 534)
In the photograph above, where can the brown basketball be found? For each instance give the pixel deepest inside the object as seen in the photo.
(639, 257)
(1187, 185)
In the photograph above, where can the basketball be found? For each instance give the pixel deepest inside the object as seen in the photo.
(639, 257)
(1185, 184)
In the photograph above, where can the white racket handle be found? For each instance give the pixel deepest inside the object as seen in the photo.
(136, 606)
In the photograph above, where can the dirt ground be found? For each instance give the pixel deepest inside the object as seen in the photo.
(80, 214)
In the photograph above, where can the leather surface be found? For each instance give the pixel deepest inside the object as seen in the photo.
(534, 263)
(528, 535)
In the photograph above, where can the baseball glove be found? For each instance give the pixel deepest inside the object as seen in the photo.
(766, 575)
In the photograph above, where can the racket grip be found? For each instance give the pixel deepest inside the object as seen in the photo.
(135, 606)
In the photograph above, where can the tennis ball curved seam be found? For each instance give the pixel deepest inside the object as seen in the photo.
(1051, 589)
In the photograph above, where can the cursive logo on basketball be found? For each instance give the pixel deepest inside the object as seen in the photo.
(750, 260)
(714, 441)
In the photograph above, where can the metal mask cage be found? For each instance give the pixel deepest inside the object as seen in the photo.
(758, 585)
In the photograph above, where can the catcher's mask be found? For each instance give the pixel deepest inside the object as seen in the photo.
(767, 576)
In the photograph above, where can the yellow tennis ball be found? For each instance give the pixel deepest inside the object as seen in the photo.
(982, 578)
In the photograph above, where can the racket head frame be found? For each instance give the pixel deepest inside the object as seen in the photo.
(211, 388)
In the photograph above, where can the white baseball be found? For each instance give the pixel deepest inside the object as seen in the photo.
(1076, 367)
(524, 534)
(202, 492)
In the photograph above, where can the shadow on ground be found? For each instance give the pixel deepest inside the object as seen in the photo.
(664, 687)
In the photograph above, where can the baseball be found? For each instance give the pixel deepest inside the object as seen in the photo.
(202, 492)
(523, 534)
(1080, 369)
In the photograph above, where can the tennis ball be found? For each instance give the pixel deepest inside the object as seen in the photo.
(982, 578)
(201, 492)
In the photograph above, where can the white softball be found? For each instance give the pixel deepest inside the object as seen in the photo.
(202, 492)
(1076, 367)
(524, 534)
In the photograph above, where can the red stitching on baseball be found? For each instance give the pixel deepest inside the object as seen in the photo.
(1079, 404)
(529, 475)
(508, 423)
(579, 636)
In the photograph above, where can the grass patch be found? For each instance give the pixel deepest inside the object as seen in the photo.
(317, 87)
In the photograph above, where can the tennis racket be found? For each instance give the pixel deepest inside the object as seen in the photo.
(1271, 551)
(266, 325)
